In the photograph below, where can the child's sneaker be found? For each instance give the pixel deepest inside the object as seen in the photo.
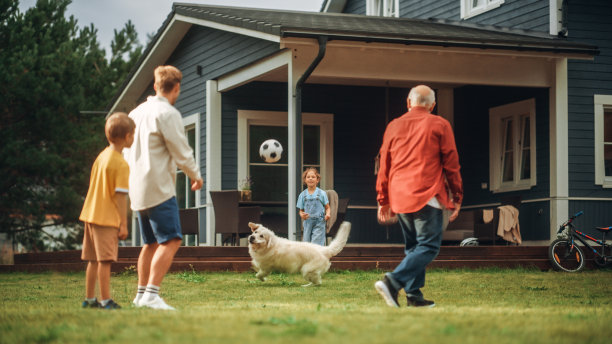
(387, 291)
(414, 301)
(136, 301)
(110, 305)
(87, 304)
(156, 303)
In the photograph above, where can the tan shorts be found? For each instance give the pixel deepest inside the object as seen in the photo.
(100, 243)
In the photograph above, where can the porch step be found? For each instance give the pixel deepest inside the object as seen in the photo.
(353, 257)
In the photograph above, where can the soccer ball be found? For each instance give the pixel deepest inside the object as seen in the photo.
(270, 151)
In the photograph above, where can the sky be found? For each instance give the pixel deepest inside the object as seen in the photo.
(148, 15)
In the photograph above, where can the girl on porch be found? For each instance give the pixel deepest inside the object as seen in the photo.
(314, 208)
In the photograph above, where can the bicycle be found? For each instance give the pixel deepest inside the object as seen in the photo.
(566, 255)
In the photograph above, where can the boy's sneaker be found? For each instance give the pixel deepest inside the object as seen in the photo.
(110, 305)
(156, 303)
(414, 301)
(387, 291)
(87, 304)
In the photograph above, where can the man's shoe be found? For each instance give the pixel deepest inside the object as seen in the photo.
(387, 291)
(110, 305)
(87, 304)
(136, 301)
(156, 303)
(414, 301)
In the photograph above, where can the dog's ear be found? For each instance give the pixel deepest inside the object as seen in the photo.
(269, 237)
(253, 226)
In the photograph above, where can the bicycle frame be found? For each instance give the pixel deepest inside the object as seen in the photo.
(580, 236)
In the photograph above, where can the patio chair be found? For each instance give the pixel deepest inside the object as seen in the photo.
(190, 223)
(487, 232)
(231, 220)
(342, 208)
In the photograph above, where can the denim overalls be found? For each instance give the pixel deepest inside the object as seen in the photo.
(314, 226)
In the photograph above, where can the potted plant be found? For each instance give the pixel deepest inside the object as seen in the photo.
(245, 189)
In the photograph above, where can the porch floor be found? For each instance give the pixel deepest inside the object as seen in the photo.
(353, 257)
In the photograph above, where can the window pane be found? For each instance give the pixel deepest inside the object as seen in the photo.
(180, 190)
(608, 125)
(191, 139)
(311, 145)
(508, 135)
(191, 201)
(526, 164)
(259, 133)
(526, 132)
(269, 182)
(508, 174)
(608, 160)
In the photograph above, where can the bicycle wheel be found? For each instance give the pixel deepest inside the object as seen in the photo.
(564, 257)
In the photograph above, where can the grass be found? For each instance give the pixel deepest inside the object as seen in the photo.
(473, 306)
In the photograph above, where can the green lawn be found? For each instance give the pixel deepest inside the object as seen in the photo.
(473, 306)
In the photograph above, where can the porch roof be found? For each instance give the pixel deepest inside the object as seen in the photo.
(351, 27)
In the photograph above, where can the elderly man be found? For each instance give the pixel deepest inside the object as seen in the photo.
(419, 164)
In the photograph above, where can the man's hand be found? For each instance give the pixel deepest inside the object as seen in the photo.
(385, 213)
(197, 184)
(123, 232)
(455, 213)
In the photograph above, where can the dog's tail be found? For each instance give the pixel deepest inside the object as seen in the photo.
(339, 241)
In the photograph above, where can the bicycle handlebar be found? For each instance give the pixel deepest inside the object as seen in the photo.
(577, 214)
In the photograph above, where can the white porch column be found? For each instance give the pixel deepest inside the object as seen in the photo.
(292, 78)
(559, 177)
(213, 154)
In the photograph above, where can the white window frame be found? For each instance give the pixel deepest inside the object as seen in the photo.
(324, 120)
(601, 102)
(382, 8)
(496, 143)
(193, 121)
(468, 10)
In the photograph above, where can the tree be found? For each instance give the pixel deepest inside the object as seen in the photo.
(52, 71)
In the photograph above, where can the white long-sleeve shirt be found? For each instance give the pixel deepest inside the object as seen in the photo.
(159, 147)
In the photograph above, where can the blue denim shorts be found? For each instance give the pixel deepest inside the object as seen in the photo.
(160, 223)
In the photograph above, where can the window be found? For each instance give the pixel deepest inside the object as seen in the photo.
(471, 8)
(512, 146)
(603, 140)
(270, 179)
(383, 8)
(186, 197)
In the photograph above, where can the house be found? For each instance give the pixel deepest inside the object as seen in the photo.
(523, 102)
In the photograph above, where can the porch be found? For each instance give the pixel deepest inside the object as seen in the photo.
(353, 257)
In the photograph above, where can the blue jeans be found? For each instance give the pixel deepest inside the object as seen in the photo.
(423, 235)
(314, 230)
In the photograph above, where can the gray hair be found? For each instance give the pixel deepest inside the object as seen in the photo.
(419, 99)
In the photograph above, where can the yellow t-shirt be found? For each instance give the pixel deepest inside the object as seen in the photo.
(109, 175)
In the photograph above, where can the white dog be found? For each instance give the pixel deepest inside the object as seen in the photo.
(272, 253)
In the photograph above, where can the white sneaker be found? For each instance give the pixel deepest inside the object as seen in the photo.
(156, 303)
(136, 301)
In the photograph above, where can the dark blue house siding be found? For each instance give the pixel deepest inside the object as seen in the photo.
(355, 7)
(588, 22)
(472, 105)
(357, 111)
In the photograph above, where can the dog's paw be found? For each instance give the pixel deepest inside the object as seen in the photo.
(307, 285)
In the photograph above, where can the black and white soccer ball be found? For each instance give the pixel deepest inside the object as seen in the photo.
(270, 151)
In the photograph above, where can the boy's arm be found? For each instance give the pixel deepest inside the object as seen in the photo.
(121, 202)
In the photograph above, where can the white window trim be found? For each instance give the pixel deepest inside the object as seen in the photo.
(188, 121)
(324, 120)
(600, 101)
(371, 9)
(468, 12)
(496, 114)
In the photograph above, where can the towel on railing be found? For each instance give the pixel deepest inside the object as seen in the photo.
(509, 228)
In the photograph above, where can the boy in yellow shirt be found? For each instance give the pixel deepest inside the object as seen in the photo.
(105, 210)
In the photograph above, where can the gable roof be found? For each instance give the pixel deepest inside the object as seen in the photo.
(340, 26)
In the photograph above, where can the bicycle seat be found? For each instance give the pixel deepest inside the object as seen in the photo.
(604, 229)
